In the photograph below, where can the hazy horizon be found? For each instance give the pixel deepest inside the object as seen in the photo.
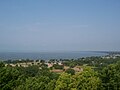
(59, 25)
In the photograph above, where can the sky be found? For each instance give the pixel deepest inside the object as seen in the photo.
(59, 25)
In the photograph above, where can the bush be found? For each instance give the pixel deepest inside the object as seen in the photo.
(70, 71)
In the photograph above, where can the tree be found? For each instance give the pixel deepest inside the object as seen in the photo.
(35, 83)
(70, 71)
(42, 61)
(43, 66)
(85, 80)
(51, 85)
(63, 82)
(31, 70)
(110, 76)
(56, 66)
(8, 77)
(2, 64)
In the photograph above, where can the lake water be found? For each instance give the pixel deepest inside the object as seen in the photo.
(48, 55)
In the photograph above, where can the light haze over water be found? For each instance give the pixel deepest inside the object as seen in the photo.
(49, 55)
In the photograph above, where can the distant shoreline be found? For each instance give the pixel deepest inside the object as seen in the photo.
(51, 55)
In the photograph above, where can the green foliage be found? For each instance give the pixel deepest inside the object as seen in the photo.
(56, 66)
(8, 78)
(70, 71)
(39, 77)
(98, 62)
(2, 64)
(110, 76)
(42, 61)
(86, 80)
(51, 85)
(63, 82)
(36, 83)
(31, 70)
(43, 66)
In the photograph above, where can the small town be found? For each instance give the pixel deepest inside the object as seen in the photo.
(60, 63)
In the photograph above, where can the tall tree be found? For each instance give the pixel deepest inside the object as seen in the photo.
(110, 76)
(63, 82)
(85, 80)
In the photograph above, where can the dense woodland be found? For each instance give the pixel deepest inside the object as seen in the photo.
(97, 74)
